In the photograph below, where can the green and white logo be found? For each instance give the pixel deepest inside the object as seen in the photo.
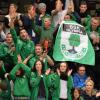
(73, 44)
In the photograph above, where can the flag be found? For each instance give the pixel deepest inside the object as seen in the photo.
(72, 44)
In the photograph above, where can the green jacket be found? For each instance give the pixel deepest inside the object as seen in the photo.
(86, 21)
(42, 19)
(53, 83)
(47, 33)
(24, 48)
(21, 84)
(34, 81)
(89, 30)
(6, 55)
(5, 93)
(42, 32)
(2, 71)
(33, 60)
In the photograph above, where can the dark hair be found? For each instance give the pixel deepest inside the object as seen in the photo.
(83, 3)
(21, 72)
(69, 14)
(28, 7)
(13, 4)
(65, 63)
(80, 65)
(21, 29)
(34, 67)
(8, 34)
(79, 90)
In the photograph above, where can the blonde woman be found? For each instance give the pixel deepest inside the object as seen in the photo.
(89, 92)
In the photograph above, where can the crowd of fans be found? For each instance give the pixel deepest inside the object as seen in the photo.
(27, 68)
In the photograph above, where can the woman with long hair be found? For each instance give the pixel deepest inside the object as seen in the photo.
(38, 82)
(60, 83)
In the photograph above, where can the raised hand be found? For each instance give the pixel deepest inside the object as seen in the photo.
(11, 23)
(19, 59)
(69, 72)
(47, 71)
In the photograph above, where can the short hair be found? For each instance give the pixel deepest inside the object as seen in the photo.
(48, 17)
(13, 4)
(38, 45)
(41, 5)
(80, 65)
(21, 29)
(83, 3)
(28, 7)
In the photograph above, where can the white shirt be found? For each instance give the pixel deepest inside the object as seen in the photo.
(59, 17)
(63, 89)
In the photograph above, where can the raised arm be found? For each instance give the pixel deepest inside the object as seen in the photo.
(14, 70)
(13, 32)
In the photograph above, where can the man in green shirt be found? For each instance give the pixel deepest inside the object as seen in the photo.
(24, 45)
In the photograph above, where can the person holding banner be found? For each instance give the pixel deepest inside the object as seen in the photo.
(58, 13)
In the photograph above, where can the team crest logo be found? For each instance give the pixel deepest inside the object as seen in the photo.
(74, 41)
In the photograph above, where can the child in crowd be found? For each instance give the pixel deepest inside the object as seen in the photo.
(77, 94)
